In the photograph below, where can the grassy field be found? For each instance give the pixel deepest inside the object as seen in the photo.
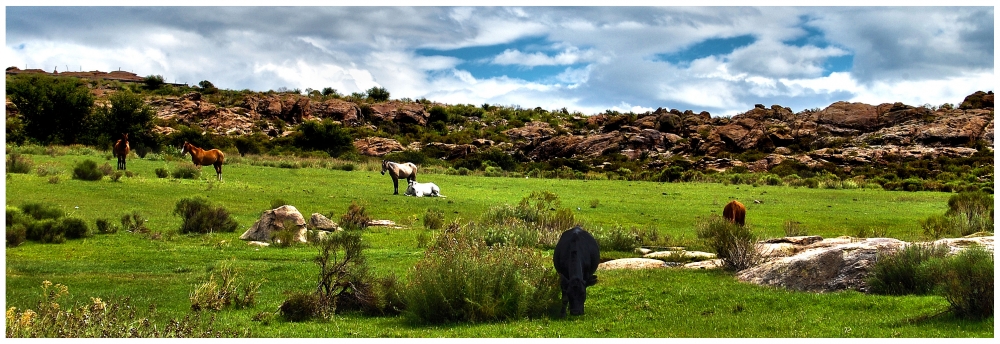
(661, 303)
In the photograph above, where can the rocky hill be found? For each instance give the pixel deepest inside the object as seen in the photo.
(845, 134)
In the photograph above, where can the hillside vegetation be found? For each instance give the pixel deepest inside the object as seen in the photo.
(846, 145)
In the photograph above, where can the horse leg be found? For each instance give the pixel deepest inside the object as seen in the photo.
(395, 185)
(218, 171)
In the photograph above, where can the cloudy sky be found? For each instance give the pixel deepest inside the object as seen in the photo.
(589, 59)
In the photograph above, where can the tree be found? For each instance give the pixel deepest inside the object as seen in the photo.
(126, 112)
(325, 136)
(378, 94)
(52, 109)
(153, 82)
(205, 84)
(330, 91)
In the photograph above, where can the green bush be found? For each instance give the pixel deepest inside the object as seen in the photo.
(162, 172)
(17, 163)
(87, 170)
(904, 272)
(325, 136)
(229, 290)
(299, 307)
(434, 219)
(460, 278)
(104, 226)
(736, 245)
(100, 318)
(46, 231)
(974, 211)
(16, 234)
(134, 223)
(355, 218)
(966, 281)
(615, 239)
(74, 228)
(51, 109)
(41, 211)
(199, 216)
(186, 171)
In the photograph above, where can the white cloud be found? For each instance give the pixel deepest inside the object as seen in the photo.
(775, 59)
(911, 54)
(571, 55)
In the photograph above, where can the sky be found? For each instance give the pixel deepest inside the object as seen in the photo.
(723, 60)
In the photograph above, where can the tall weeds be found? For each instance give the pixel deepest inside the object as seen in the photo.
(736, 245)
(461, 278)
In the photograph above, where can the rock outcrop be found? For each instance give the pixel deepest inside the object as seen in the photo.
(283, 218)
(377, 146)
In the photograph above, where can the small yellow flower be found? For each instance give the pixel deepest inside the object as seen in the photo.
(97, 304)
(26, 318)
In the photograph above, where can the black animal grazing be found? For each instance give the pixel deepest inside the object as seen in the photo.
(576, 258)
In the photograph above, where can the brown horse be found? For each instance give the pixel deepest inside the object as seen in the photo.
(405, 170)
(735, 212)
(121, 151)
(201, 157)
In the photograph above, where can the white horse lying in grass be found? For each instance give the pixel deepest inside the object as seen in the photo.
(423, 189)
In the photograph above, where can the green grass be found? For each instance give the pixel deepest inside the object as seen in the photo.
(662, 303)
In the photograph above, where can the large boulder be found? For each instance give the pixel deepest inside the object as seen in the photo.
(283, 218)
(823, 268)
(377, 146)
(632, 264)
(400, 112)
(318, 221)
(813, 264)
(346, 112)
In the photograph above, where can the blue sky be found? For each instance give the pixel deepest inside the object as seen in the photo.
(589, 59)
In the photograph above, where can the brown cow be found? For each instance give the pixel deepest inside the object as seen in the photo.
(735, 212)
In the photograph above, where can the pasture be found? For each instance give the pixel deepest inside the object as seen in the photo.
(660, 303)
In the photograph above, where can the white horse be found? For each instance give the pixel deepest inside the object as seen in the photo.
(423, 189)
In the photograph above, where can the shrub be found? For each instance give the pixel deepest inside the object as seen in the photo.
(345, 282)
(936, 226)
(48, 169)
(326, 136)
(434, 219)
(134, 223)
(51, 109)
(17, 163)
(105, 227)
(974, 211)
(54, 180)
(355, 218)
(74, 228)
(616, 239)
(299, 307)
(966, 280)
(100, 318)
(200, 216)
(162, 172)
(87, 170)
(594, 203)
(734, 244)
(41, 211)
(230, 290)
(903, 272)
(45, 231)
(186, 171)
(16, 234)
(460, 278)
